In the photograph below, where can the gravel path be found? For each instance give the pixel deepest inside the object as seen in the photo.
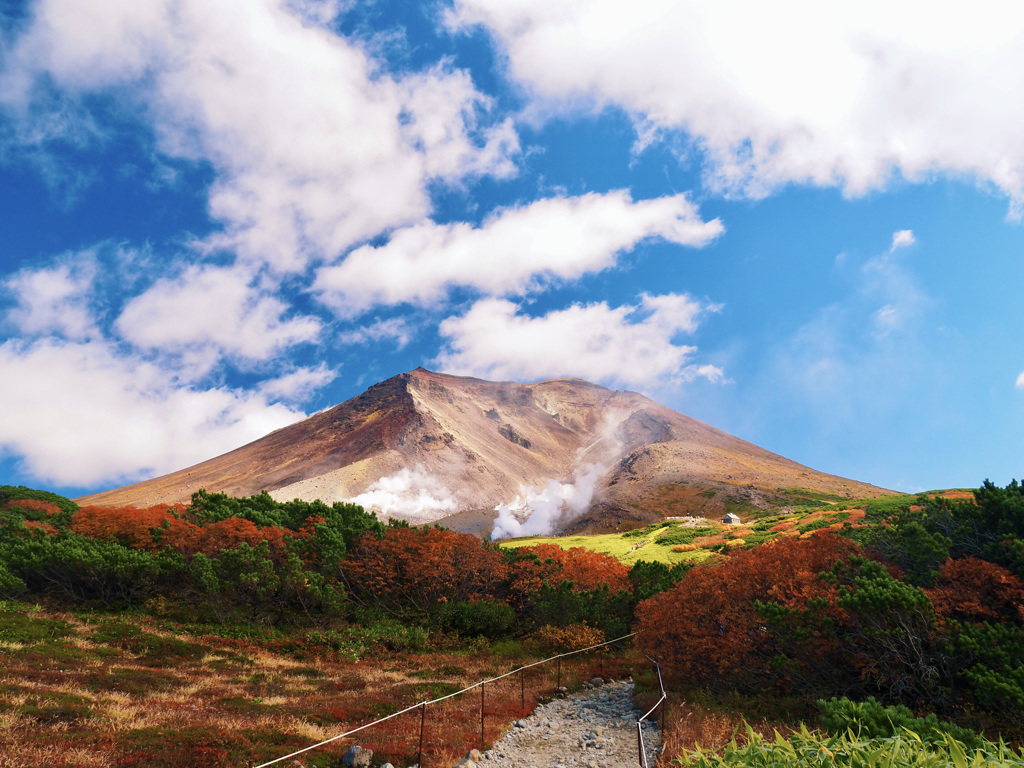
(595, 728)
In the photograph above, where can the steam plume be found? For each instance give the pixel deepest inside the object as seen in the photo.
(411, 494)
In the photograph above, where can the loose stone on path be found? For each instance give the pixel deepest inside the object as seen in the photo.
(595, 728)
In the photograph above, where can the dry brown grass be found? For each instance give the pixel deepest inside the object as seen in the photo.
(74, 701)
(686, 727)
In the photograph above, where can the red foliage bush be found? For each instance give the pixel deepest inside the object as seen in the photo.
(50, 530)
(707, 628)
(228, 534)
(976, 590)
(35, 505)
(164, 525)
(586, 569)
(130, 526)
(410, 571)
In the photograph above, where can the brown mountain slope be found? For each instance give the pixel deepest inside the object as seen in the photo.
(423, 445)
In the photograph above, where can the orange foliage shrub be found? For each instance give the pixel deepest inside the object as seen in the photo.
(35, 505)
(228, 534)
(707, 628)
(586, 569)
(411, 570)
(976, 590)
(50, 530)
(164, 525)
(131, 526)
(574, 637)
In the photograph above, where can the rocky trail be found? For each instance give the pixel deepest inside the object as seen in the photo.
(595, 728)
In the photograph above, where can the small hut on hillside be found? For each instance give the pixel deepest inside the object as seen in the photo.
(731, 519)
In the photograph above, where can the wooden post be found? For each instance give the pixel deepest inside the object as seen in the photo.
(423, 718)
(522, 692)
(482, 716)
(559, 672)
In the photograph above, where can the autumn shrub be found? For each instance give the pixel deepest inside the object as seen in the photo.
(586, 569)
(711, 628)
(974, 590)
(19, 502)
(411, 573)
(574, 637)
(129, 526)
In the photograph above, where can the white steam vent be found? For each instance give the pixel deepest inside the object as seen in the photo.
(411, 494)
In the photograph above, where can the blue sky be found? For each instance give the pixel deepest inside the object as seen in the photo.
(799, 224)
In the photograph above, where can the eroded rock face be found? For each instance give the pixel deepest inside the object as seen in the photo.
(474, 444)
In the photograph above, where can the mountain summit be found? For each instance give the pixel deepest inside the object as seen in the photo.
(423, 446)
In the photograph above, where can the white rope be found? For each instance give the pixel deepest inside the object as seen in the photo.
(442, 698)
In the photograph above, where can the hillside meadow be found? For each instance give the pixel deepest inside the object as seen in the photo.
(696, 539)
(231, 631)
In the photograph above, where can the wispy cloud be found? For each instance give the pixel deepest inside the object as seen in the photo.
(902, 239)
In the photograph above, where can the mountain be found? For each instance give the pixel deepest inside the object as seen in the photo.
(424, 446)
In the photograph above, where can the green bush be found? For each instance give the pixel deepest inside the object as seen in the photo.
(561, 606)
(78, 568)
(650, 578)
(486, 618)
(870, 719)
(682, 535)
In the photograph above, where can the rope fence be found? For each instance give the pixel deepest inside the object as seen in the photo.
(642, 750)
(521, 671)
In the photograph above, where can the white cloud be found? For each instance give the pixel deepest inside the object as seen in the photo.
(396, 329)
(314, 149)
(833, 94)
(901, 239)
(88, 415)
(54, 299)
(208, 311)
(553, 239)
(297, 385)
(1020, 380)
(628, 345)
